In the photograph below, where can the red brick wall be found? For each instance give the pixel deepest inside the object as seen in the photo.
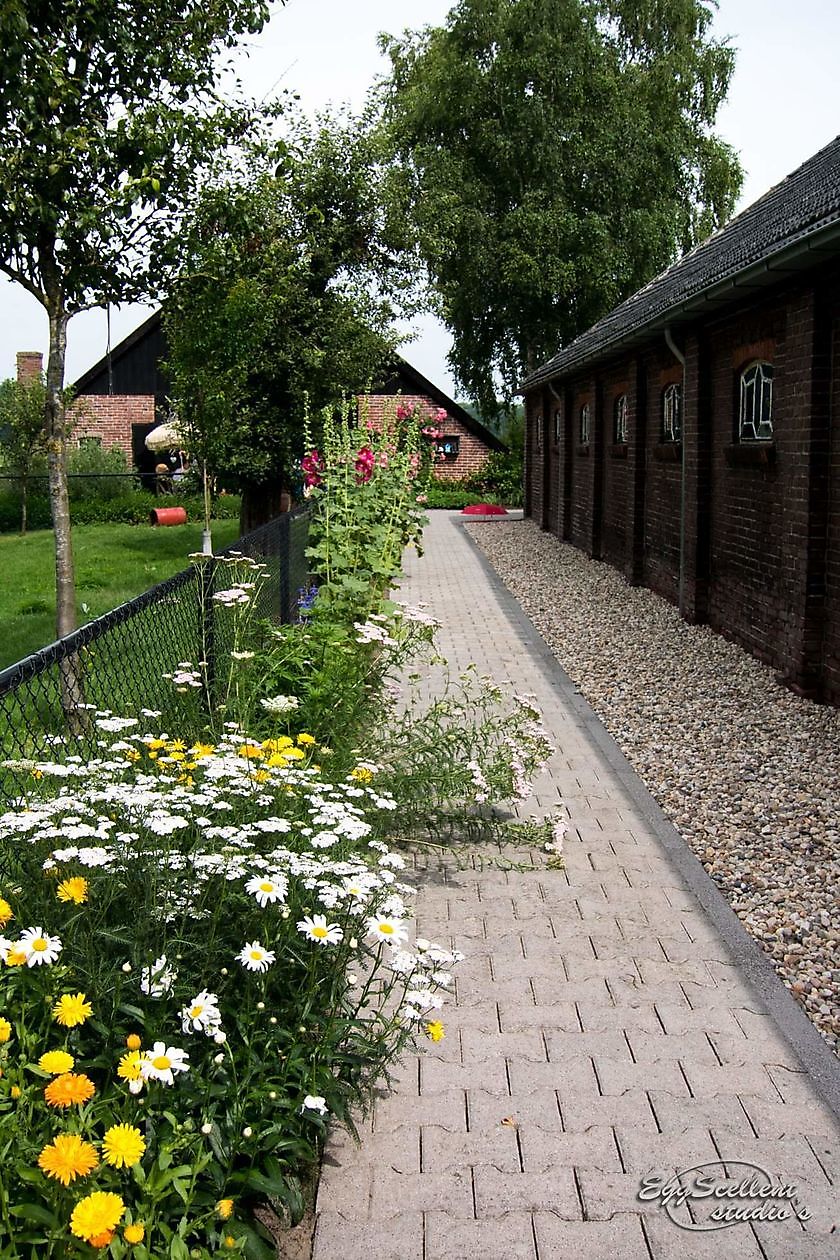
(762, 522)
(747, 517)
(616, 523)
(831, 632)
(30, 364)
(109, 417)
(472, 452)
(661, 560)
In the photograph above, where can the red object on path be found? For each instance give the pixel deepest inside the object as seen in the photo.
(168, 516)
(483, 509)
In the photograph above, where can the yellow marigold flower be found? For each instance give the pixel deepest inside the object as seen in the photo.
(434, 1029)
(134, 1233)
(153, 756)
(177, 756)
(276, 760)
(123, 1146)
(68, 1089)
(56, 1062)
(15, 1091)
(5, 912)
(202, 750)
(230, 1242)
(67, 1157)
(15, 957)
(97, 1214)
(252, 751)
(362, 774)
(133, 1041)
(294, 754)
(72, 1009)
(225, 1208)
(102, 1240)
(260, 776)
(154, 744)
(131, 754)
(303, 738)
(278, 744)
(186, 778)
(5, 1030)
(37, 774)
(129, 1066)
(75, 890)
(176, 745)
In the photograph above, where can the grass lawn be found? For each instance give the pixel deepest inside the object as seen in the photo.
(113, 563)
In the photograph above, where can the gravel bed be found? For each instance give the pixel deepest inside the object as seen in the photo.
(747, 772)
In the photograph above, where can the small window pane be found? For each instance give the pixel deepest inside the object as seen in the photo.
(620, 419)
(584, 424)
(755, 418)
(672, 413)
(538, 424)
(558, 426)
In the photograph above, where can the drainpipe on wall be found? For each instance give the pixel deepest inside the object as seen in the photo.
(678, 354)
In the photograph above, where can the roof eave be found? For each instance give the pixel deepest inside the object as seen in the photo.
(793, 260)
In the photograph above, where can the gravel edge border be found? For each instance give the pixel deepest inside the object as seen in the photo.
(812, 1051)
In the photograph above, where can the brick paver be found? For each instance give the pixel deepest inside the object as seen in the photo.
(599, 1030)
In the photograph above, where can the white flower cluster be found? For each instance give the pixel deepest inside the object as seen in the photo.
(278, 705)
(239, 594)
(372, 631)
(186, 675)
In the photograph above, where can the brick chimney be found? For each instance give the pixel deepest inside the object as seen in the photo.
(30, 364)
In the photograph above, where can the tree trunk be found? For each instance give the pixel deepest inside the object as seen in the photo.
(261, 503)
(56, 431)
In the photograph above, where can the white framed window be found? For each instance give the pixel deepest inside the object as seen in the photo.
(755, 410)
(672, 413)
(585, 426)
(558, 425)
(620, 419)
(538, 430)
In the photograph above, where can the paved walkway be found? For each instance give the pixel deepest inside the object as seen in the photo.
(601, 1030)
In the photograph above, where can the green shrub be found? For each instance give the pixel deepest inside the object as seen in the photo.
(455, 494)
(126, 508)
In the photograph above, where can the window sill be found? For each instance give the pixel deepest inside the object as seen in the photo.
(582, 448)
(750, 454)
(668, 452)
(618, 450)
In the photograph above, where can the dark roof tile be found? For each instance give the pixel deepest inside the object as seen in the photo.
(796, 210)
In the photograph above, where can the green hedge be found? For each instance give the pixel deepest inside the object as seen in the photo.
(127, 508)
(455, 494)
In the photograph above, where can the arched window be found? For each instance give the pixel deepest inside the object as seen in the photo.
(620, 419)
(672, 413)
(558, 426)
(755, 412)
(585, 424)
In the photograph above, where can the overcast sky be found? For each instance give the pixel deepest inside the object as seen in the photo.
(784, 105)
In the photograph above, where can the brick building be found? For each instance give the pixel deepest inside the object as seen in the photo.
(691, 438)
(122, 397)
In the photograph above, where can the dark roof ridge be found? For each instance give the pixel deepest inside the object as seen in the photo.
(803, 205)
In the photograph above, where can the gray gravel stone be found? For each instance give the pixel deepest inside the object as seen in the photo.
(747, 772)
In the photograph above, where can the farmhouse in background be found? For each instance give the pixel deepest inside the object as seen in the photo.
(691, 438)
(123, 396)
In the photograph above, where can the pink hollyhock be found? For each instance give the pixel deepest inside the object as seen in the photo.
(441, 416)
(404, 412)
(312, 466)
(365, 460)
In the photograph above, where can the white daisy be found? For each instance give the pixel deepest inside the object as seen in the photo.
(384, 927)
(157, 980)
(267, 890)
(315, 1102)
(255, 957)
(315, 928)
(39, 947)
(202, 1014)
(162, 1061)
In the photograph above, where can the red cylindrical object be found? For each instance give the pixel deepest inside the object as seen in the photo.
(168, 516)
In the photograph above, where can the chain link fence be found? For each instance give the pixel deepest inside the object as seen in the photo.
(118, 662)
